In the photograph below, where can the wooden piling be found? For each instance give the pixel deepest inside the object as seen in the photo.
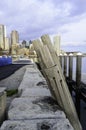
(70, 112)
(78, 81)
(70, 75)
(78, 69)
(54, 73)
(61, 60)
(65, 65)
(38, 48)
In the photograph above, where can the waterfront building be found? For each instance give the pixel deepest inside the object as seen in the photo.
(23, 43)
(57, 41)
(7, 45)
(2, 36)
(14, 37)
(4, 41)
(14, 41)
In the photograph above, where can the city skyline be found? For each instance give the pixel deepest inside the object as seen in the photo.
(7, 42)
(11, 45)
(34, 18)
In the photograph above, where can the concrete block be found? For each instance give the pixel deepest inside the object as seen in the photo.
(47, 100)
(44, 124)
(35, 92)
(30, 80)
(33, 69)
(23, 108)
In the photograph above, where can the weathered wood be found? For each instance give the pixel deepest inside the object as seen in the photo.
(61, 60)
(45, 62)
(69, 107)
(46, 41)
(78, 69)
(38, 47)
(48, 61)
(78, 82)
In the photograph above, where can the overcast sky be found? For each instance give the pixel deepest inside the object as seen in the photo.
(33, 18)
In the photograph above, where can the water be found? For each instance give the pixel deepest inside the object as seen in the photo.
(80, 49)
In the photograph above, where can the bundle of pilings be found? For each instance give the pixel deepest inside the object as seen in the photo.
(51, 69)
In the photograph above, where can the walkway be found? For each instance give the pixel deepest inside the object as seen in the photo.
(35, 109)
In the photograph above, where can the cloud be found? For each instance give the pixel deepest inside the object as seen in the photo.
(33, 18)
(76, 33)
(79, 7)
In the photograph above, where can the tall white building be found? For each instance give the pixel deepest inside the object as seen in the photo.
(14, 37)
(57, 41)
(4, 41)
(2, 35)
(7, 46)
(14, 41)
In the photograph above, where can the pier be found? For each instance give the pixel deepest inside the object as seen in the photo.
(45, 96)
(35, 108)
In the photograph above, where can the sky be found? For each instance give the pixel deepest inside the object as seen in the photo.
(33, 18)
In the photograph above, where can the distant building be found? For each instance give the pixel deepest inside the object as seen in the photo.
(23, 43)
(14, 37)
(4, 41)
(7, 45)
(14, 42)
(2, 36)
(57, 42)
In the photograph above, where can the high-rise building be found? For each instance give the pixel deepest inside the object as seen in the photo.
(7, 45)
(14, 37)
(4, 41)
(2, 36)
(57, 41)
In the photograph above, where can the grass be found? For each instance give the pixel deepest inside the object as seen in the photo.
(11, 92)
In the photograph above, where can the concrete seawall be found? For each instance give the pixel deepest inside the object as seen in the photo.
(35, 109)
